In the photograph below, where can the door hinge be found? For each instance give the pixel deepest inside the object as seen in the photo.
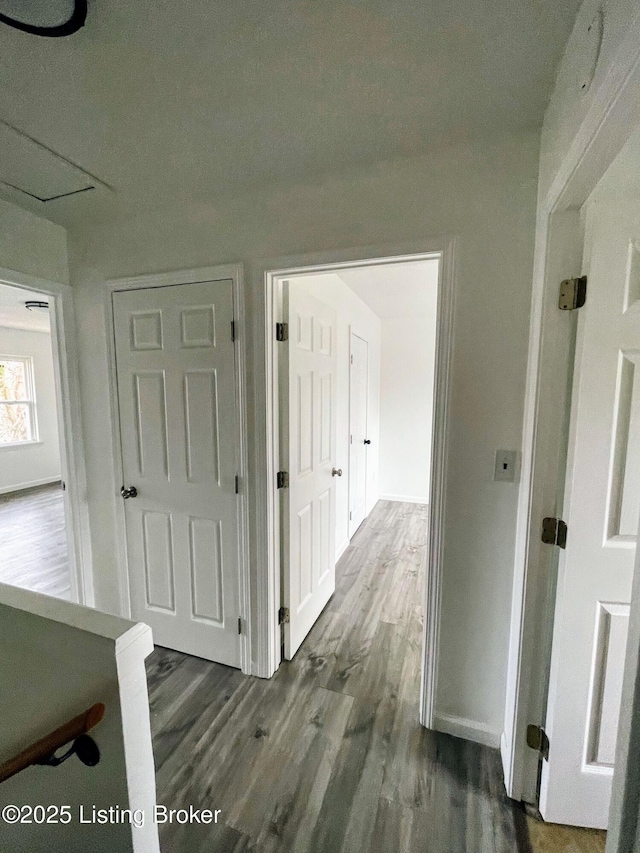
(537, 739)
(237, 485)
(239, 624)
(554, 532)
(573, 293)
(350, 516)
(233, 330)
(351, 359)
(282, 332)
(283, 615)
(282, 479)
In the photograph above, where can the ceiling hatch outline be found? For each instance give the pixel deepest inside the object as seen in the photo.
(34, 169)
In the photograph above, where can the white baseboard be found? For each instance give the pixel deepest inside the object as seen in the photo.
(340, 551)
(408, 499)
(467, 729)
(20, 487)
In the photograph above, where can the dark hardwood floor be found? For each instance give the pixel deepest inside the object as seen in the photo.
(33, 541)
(328, 755)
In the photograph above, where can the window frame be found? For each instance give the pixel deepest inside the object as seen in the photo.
(30, 402)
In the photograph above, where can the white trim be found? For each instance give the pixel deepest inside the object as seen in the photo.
(407, 499)
(267, 446)
(16, 445)
(439, 448)
(225, 272)
(612, 117)
(65, 363)
(244, 602)
(467, 729)
(503, 748)
(32, 484)
(340, 551)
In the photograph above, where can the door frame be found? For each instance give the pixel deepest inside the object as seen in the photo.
(354, 331)
(229, 272)
(65, 365)
(268, 651)
(606, 127)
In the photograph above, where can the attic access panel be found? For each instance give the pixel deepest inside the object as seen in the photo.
(36, 171)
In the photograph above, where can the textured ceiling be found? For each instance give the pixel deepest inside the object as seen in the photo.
(165, 100)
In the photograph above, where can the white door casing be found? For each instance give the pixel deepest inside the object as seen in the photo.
(601, 507)
(358, 409)
(179, 431)
(309, 372)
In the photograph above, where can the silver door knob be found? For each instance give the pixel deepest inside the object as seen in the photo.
(336, 472)
(131, 492)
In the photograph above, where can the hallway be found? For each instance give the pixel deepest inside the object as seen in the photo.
(328, 755)
(33, 541)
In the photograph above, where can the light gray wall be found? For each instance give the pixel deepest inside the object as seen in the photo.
(568, 105)
(406, 406)
(33, 464)
(484, 193)
(32, 245)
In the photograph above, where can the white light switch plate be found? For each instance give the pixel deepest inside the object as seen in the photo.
(507, 467)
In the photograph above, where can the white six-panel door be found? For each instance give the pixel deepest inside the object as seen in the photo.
(179, 430)
(358, 403)
(309, 413)
(603, 503)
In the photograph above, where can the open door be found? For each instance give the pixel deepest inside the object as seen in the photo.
(358, 440)
(309, 371)
(601, 509)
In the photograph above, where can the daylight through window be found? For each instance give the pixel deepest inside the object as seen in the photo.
(17, 404)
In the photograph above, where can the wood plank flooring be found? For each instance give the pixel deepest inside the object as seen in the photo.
(33, 541)
(328, 755)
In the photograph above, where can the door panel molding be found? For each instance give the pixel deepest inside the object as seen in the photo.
(197, 335)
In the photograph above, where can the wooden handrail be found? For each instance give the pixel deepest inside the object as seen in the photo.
(44, 748)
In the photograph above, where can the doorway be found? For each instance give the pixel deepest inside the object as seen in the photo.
(371, 409)
(572, 605)
(601, 506)
(45, 545)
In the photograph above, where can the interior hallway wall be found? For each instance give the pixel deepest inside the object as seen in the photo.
(569, 104)
(407, 365)
(31, 245)
(481, 192)
(352, 312)
(37, 463)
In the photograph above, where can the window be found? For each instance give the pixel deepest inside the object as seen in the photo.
(17, 401)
